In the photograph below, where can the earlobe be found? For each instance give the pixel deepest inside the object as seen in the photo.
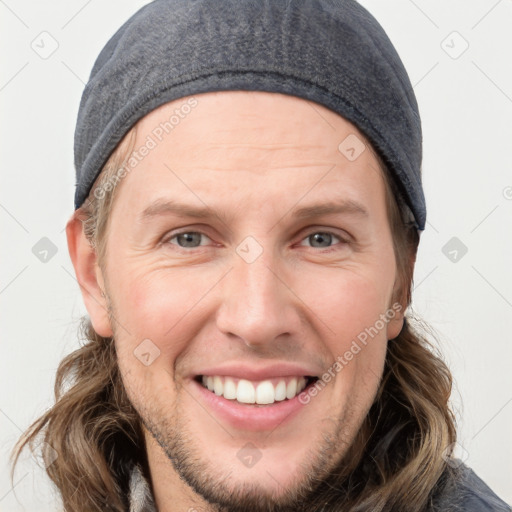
(88, 275)
(395, 325)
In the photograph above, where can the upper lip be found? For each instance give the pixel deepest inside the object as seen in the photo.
(244, 371)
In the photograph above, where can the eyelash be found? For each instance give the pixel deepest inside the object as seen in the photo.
(342, 240)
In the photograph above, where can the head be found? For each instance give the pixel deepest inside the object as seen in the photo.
(316, 296)
(247, 276)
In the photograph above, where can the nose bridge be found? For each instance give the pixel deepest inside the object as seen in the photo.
(256, 304)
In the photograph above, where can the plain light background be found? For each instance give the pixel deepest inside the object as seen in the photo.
(457, 54)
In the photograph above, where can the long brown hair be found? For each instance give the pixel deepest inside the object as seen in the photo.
(395, 464)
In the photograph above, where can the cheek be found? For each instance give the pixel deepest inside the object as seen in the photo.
(348, 301)
(350, 305)
(159, 305)
(148, 306)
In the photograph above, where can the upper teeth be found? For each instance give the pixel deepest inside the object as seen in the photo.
(247, 392)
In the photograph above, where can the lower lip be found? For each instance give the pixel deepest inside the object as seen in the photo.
(249, 417)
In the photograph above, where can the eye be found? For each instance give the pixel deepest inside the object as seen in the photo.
(187, 239)
(322, 239)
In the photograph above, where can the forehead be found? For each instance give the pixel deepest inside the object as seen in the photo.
(229, 144)
(275, 120)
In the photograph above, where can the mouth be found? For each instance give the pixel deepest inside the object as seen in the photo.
(248, 392)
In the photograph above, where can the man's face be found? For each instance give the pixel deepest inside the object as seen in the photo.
(258, 297)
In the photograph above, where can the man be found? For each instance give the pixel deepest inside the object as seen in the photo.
(248, 210)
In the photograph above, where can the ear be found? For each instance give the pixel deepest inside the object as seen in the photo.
(401, 297)
(88, 275)
(396, 322)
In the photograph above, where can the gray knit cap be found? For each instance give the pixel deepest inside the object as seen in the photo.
(332, 52)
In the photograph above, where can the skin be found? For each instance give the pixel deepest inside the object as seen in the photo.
(253, 157)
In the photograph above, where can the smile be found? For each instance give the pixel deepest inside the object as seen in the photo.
(263, 392)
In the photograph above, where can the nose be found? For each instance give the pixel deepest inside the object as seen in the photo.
(258, 305)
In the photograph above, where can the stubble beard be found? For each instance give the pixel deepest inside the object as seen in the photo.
(318, 466)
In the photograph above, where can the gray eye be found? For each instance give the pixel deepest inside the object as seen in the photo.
(323, 239)
(191, 239)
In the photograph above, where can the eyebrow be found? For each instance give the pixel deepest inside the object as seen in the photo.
(165, 207)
